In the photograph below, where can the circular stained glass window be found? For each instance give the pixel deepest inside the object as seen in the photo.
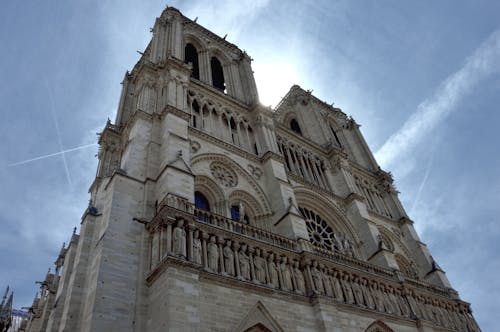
(320, 232)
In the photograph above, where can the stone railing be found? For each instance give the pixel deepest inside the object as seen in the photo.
(216, 247)
(203, 216)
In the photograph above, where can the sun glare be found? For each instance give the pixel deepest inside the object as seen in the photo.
(274, 79)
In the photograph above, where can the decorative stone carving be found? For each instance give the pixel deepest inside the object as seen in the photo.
(260, 267)
(228, 258)
(213, 255)
(179, 239)
(255, 171)
(367, 294)
(195, 146)
(286, 275)
(244, 262)
(298, 277)
(326, 280)
(346, 287)
(224, 175)
(197, 248)
(317, 278)
(337, 287)
(273, 272)
(358, 294)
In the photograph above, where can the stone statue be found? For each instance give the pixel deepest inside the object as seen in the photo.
(273, 272)
(298, 277)
(317, 278)
(358, 294)
(196, 248)
(346, 287)
(286, 275)
(242, 212)
(179, 239)
(367, 294)
(244, 261)
(260, 267)
(326, 280)
(228, 258)
(213, 255)
(379, 303)
(337, 288)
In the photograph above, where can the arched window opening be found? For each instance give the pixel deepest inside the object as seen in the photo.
(294, 126)
(234, 132)
(195, 114)
(236, 214)
(217, 74)
(335, 136)
(191, 56)
(252, 142)
(201, 202)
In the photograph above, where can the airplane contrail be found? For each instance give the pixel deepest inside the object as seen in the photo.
(51, 155)
(58, 133)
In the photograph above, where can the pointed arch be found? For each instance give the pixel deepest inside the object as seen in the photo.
(258, 193)
(329, 211)
(211, 191)
(378, 326)
(258, 319)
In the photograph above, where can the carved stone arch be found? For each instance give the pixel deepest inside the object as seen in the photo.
(330, 211)
(399, 247)
(190, 38)
(212, 191)
(259, 194)
(214, 51)
(252, 206)
(406, 267)
(258, 319)
(378, 326)
(287, 117)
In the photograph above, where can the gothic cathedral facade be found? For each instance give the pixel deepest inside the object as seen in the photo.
(211, 212)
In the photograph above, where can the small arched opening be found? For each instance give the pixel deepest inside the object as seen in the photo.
(191, 56)
(295, 127)
(217, 74)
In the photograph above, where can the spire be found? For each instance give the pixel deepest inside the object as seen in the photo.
(4, 297)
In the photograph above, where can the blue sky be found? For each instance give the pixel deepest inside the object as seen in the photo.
(421, 77)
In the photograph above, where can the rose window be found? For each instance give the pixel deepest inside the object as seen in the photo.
(320, 232)
(223, 175)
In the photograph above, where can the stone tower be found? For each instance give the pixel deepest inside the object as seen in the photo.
(211, 212)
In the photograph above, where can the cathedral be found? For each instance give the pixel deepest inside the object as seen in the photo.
(212, 212)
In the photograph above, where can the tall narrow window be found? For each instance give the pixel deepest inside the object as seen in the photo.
(217, 74)
(195, 115)
(235, 213)
(201, 202)
(336, 137)
(191, 56)
(294, 126)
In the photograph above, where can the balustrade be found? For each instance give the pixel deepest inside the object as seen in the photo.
(210, 243)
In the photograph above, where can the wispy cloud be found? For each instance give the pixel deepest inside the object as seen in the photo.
(226, 16)
(432, 111)
(424, 181)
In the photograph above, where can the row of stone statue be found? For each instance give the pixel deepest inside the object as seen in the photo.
(231, 258)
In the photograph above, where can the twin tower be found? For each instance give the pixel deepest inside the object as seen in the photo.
(211, 212)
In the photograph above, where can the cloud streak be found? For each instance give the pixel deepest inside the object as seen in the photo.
(432, 111)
